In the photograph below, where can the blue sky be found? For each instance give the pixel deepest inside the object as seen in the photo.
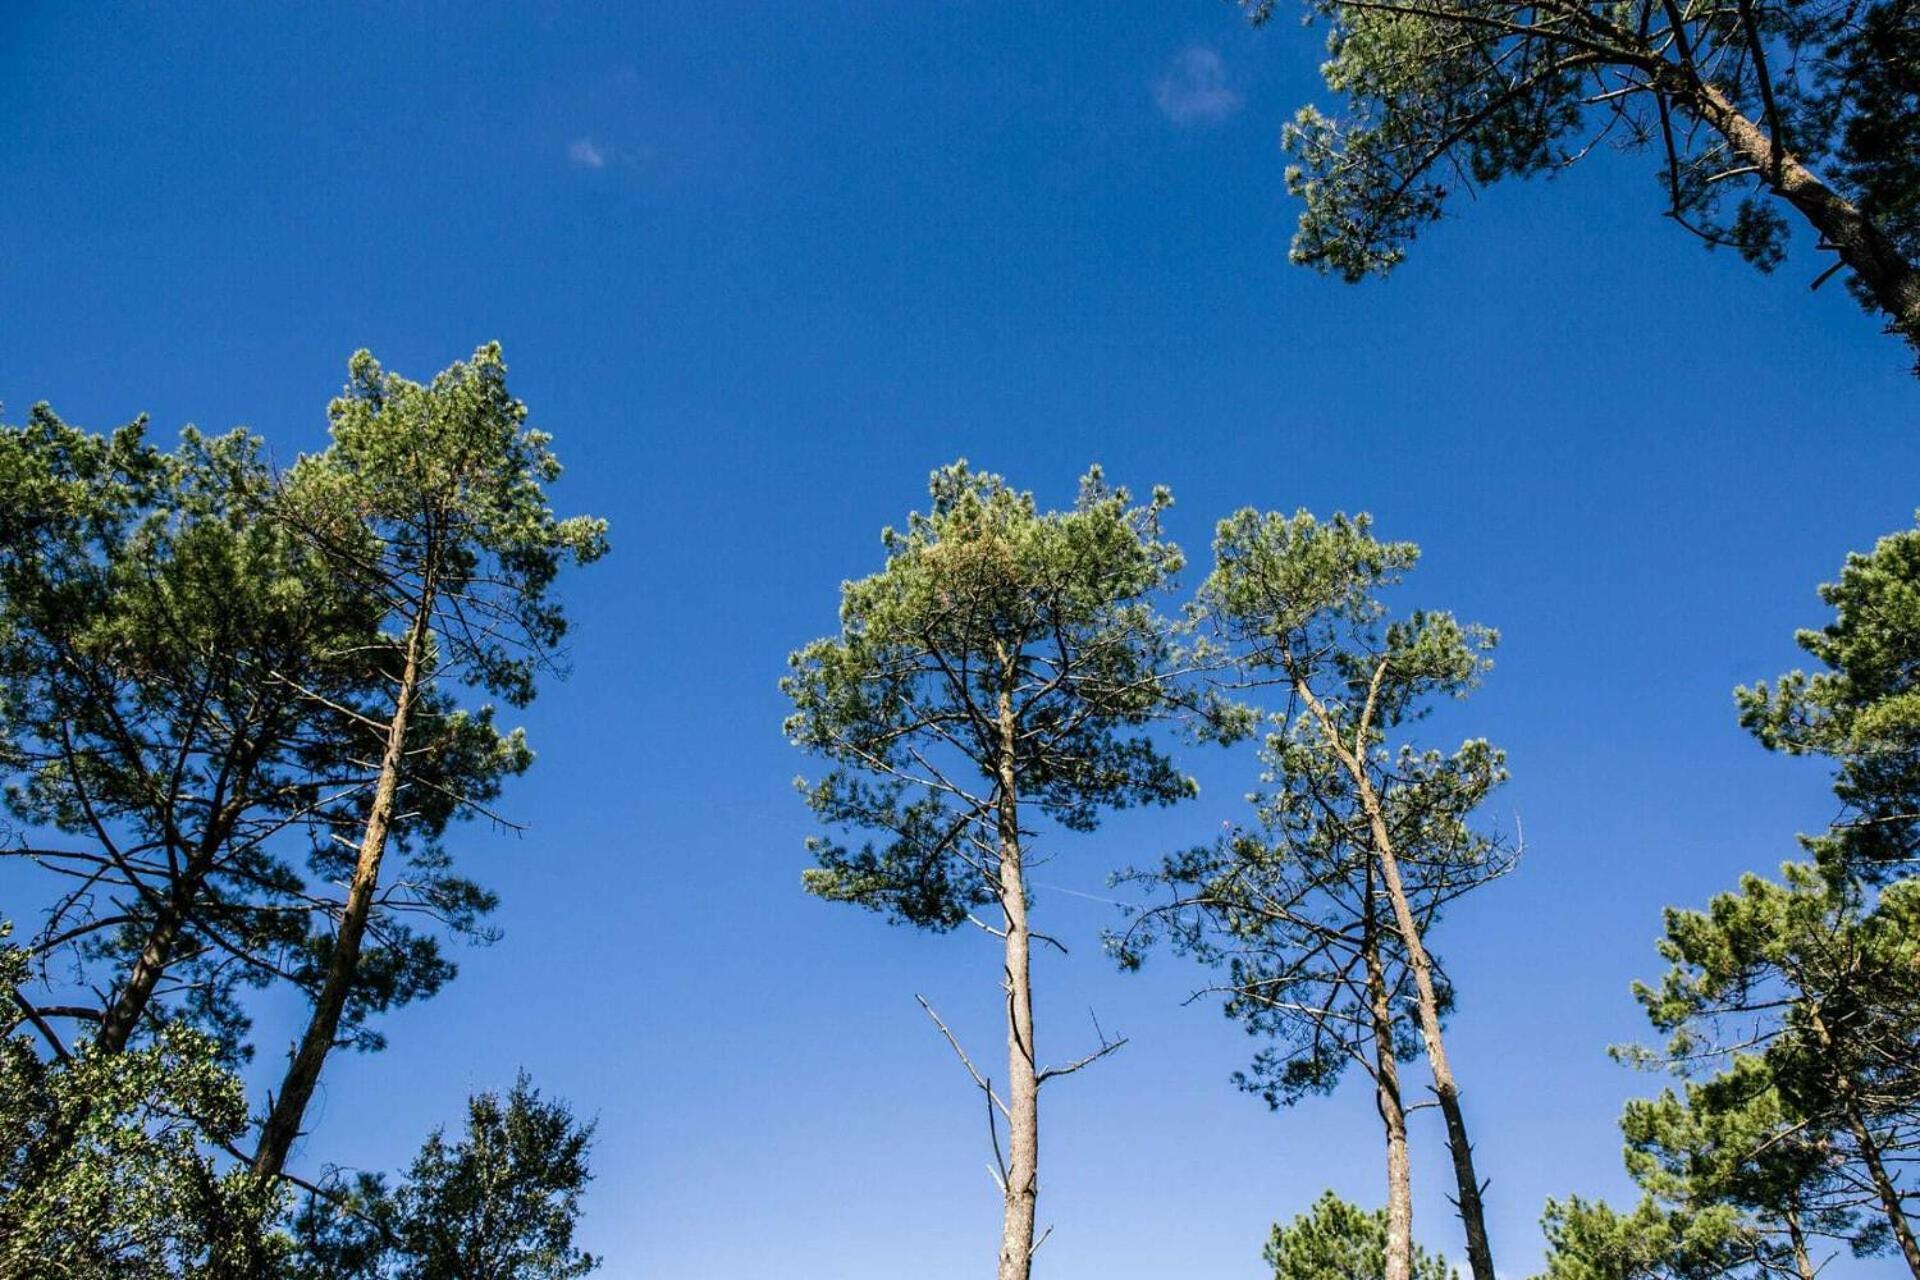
(759, 269)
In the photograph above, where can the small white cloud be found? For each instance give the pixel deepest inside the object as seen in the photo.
(1194, 89)
(585, 154)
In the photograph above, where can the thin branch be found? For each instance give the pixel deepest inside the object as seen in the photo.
(965, 1061)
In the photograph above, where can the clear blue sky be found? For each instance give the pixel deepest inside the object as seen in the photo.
(761, 267)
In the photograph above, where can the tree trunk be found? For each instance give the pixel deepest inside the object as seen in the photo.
(1802, 1263)
(323, 1025)
(130, 1003)
(1467, 1182)
(1023, 1073)
(1472, 1213)
(1890, 1201)
(1393, 1114)
(1889, 279)
(122, 1016)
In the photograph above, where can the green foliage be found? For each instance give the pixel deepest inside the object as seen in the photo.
(176, 669)
(133, 1191)
(1441, 96)
(1288, 913)
(434, 496)
(1338, 1241)
(1861, 710)
(185, 682)
(1293, 910)
(499, 1204)
(1300, 599)
(1736, 1178)
(1792, 1006)
(1880, 134)
(1827, 988)
(1587, 1240)
(1826, 985)
(430, 502)
(198, 659)
(995, 637)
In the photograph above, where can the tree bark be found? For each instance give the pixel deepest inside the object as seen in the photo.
(1802, 1262)
(1023, 1073)
(1446, 1091)
(282, 1126)
(156, 955)
(1467, 1182)
(1890, 1202)
(130, 1002)
(1889, 279)
(1393, 1114)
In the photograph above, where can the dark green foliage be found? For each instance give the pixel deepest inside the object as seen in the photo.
(187, 680)
(1879, 152)
(1736, 1182)
(1825, 986)
(1793, 1006)
(1292, 910)
(1755, 113)
(501, 1203)
(198, 665)
(175, 668)
(1338, 1241)
(1587, 1240)
(1861, 709)
(133, 1191)
(985, 598)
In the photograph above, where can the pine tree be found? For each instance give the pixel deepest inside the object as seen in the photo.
(1296, 602)
(1004, 665)
(1337, 1241)
(431, 499)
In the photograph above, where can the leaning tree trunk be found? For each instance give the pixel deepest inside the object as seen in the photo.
(1802, 1262)
(122, 1015)
(1467, 1183)
(1023, 1072)
(323, 1025)
(1393, 1112)
(1891, 1202)
(1883, 1186)
(156, 954)
(1883, 271)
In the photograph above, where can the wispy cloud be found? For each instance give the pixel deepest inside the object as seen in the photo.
(1194, 89)
(584, 153)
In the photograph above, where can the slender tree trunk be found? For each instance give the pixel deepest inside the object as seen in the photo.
(1802, 1263)
(1467, 1182)
(323, 1025)
(129, 1005)
(136, 993)
(1023, 1072)
(1446, 1091)
(1890, 1201)
(1889, 279)
(1393, 1114)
